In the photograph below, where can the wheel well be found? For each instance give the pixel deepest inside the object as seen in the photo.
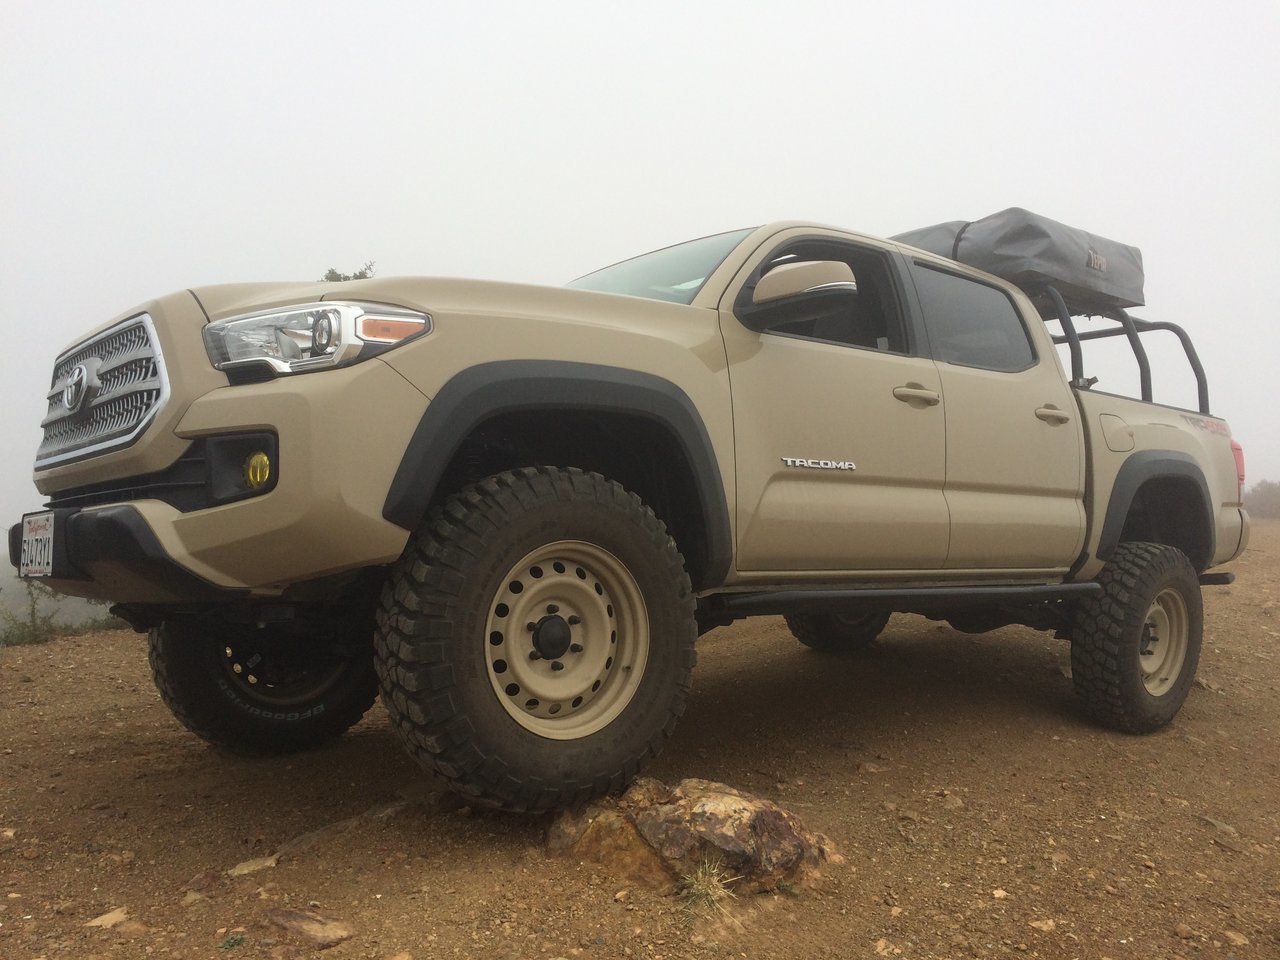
(642, 455)
(1171, 510)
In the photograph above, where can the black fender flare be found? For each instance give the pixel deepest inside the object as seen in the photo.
(1139, 468)
(507, 386)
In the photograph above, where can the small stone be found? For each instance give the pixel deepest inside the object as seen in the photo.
(1236, 939)
(999, 894)
(1183, 932)
(321, 931)
(1219, 825)
(253, 866)
(109, 919)
(402, 955)
(130, 929)
(204, 881)
(952, 802)
(1046, 925)
(192, 896)
(620, 896)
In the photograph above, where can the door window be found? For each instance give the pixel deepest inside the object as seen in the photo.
(971, 323)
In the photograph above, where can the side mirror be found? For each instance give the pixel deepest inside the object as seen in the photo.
(798, 291)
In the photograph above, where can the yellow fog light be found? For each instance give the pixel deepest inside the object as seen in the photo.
(257, 470)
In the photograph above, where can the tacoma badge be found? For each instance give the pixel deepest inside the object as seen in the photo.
(819, 464)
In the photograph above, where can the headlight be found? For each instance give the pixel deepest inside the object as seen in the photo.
(309, 336)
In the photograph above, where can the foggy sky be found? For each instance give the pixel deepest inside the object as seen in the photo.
(148, 147)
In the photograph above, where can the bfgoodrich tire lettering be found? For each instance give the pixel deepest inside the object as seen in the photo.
(262, 691)
(535, 641)
(1135, 649)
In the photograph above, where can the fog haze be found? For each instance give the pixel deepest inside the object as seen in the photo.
(148, 147)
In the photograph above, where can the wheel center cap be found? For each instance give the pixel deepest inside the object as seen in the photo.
(552, 637)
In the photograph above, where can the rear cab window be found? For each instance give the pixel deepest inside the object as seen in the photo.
(971, 323)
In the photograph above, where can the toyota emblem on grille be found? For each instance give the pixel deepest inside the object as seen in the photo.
(77, 387)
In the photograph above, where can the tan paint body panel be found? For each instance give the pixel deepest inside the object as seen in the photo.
(976, 488)
(797, 397)
(1014, 482)
(1206, 440)
(477, 322)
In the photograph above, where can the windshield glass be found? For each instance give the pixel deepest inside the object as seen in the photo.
(675, 274)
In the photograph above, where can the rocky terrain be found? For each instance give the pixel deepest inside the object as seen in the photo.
(977, 814)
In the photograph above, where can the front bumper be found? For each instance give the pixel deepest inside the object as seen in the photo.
(110, 553)
(167, 539)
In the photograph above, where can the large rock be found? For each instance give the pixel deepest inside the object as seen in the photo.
(655, 834)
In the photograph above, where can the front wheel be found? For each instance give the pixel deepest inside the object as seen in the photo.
(264, 690)
(535, 641)
(1134, 650)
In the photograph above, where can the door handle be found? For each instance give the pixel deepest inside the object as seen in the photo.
(1051, 414)
(914, 391)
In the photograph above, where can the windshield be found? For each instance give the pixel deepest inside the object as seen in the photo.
(675, 274)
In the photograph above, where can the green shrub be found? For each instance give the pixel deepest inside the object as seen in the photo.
(37, 626)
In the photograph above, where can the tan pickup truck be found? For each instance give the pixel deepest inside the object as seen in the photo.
(513, 508)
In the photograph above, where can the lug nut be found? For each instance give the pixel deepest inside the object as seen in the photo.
(531, 626)
(552, 608)
(557, 665)
(575, 648)
(574, 620)
(534, 655)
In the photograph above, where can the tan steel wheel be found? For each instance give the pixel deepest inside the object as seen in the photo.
(1134, 647)
(1163, 647)
(567, 640)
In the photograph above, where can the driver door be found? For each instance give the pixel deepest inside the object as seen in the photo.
(838, 424)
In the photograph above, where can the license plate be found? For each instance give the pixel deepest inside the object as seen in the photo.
(37, 546)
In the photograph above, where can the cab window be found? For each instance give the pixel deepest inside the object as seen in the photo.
(971, 323)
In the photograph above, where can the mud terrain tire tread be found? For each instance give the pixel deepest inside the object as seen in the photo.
(439, 698)
(830, 633)
(1107, 632)
(185, 667)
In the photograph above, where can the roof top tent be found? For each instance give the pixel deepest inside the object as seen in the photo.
(1066, 272)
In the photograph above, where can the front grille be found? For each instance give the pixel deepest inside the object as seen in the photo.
(103, 393)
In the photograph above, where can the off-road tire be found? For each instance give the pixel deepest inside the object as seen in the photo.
(321, 688)
(449, 635)
(836, 633)
(1150, 601)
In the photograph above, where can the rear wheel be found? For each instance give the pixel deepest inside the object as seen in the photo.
(535, 641)
(836, 632)
(1135, 649)
(259, 691)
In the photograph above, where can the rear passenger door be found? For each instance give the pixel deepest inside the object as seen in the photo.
(1015, 449)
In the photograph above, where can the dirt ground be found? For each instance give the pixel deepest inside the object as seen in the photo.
(980, 814)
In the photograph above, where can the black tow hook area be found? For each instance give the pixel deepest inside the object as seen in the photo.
(1216, 579)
